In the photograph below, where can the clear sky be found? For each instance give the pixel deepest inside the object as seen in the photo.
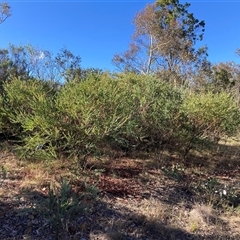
(97, 29)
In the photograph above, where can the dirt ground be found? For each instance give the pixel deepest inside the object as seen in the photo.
(156, 196)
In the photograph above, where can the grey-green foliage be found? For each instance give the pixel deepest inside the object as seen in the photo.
(61, 200)
(164, 41)
(5, 11)
(63, 204)
(29, 62)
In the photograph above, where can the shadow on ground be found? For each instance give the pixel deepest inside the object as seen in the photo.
(29, 217)
(88, 214)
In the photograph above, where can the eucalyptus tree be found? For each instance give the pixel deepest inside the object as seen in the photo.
(31, 62)
(5, 11)
(164, 41)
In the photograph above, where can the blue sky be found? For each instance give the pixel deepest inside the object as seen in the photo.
(96, 30)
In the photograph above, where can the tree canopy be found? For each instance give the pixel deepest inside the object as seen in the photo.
(164, 40)
(5, 11)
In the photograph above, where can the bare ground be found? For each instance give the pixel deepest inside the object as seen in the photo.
(155, 196)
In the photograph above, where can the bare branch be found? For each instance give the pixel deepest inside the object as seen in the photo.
(164, 39)
(5, 11)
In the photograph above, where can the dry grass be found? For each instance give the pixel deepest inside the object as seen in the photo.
(201, 217)
(158, 195)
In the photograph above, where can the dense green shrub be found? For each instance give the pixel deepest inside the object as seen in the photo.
(27, 112)
(125, 111)
(159, 108)
(94, 112)
(211, 115)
